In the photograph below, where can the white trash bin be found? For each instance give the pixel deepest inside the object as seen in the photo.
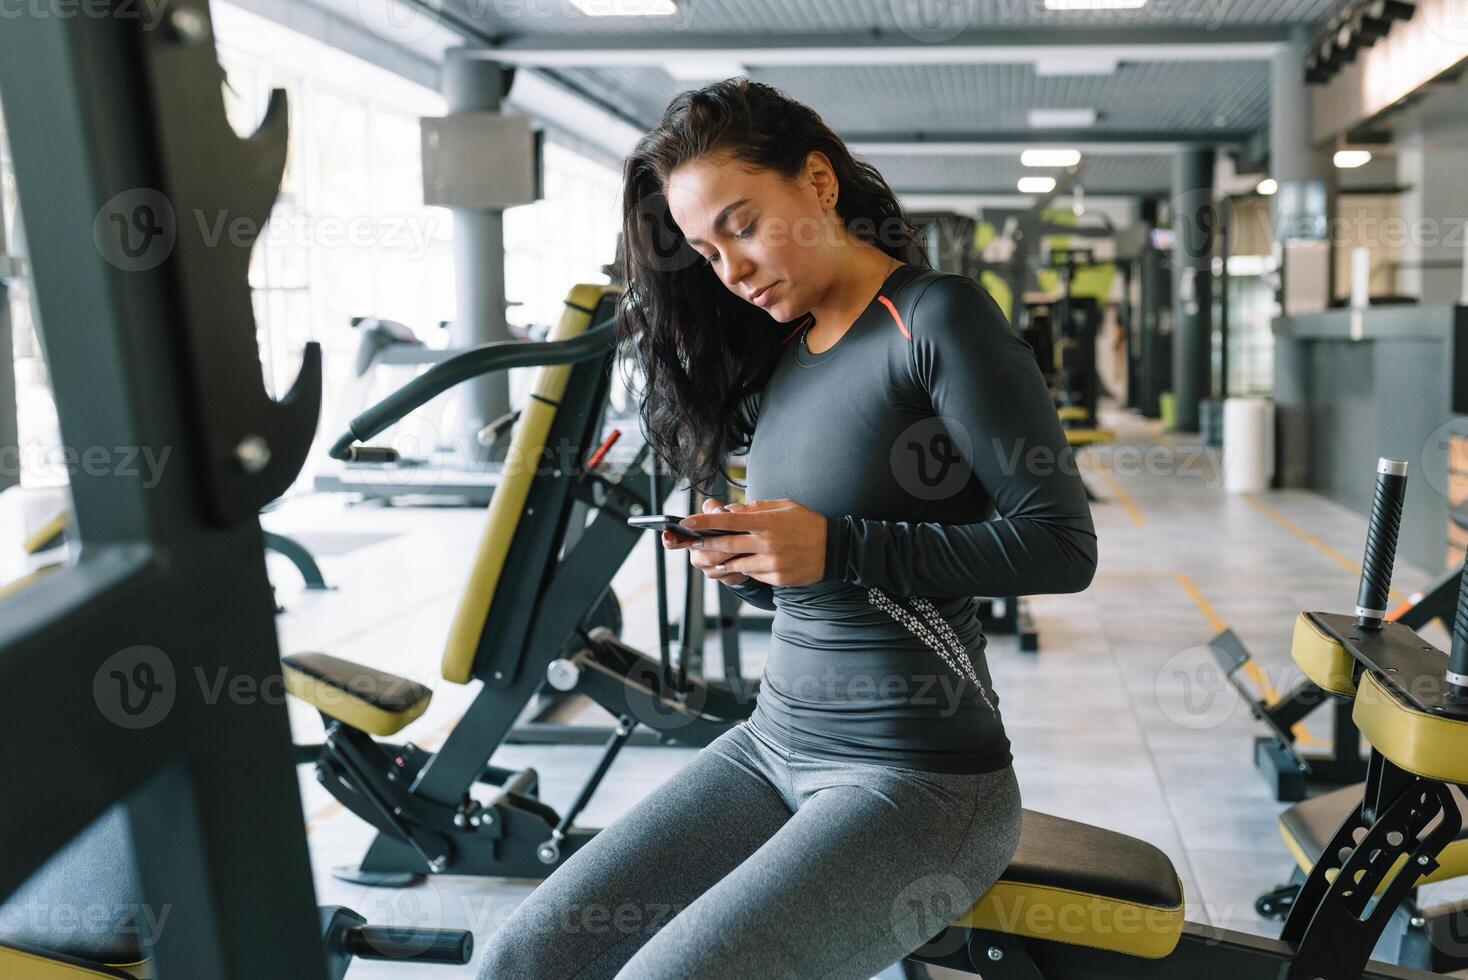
(1248, 444)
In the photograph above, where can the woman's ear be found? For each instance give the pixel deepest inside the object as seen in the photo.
(822, 177)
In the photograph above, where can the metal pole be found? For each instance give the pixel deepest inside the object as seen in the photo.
(473, 85)
(9, 422)
(1193, 219)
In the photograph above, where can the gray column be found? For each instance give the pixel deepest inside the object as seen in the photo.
(1194, 218)
(1293, 157)
(477, 85)
(1434, 172)
(9, 434)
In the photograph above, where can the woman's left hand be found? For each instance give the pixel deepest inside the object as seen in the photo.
(786, 543)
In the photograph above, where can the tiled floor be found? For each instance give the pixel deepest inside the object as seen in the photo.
(1121, 720)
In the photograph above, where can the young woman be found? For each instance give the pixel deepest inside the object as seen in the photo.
(779, 302)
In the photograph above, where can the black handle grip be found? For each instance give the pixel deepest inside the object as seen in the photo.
(1381, 542)
(371, 454)
(454, 946)
(500, 355)
(1458, 657)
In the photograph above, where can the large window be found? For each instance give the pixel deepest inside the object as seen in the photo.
(350, 235)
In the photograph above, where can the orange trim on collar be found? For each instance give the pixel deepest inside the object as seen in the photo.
(895, 315)
(797, 330)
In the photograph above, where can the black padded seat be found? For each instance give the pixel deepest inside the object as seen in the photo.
(79, 910)
(373, 701)
(1307, 828)
(1074, 883)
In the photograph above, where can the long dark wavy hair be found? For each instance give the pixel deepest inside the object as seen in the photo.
(700, 349)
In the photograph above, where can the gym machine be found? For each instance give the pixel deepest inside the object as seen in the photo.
(1290, 772)
(1063, 333)
(1149, 330)
(151, 342)
(557, 521)
(550, 718)
(1080, 902)
(442, 474)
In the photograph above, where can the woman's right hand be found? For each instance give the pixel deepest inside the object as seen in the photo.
(705, 558)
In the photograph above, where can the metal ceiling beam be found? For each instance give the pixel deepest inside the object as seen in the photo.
(1003, 46)
(349, 35)
(1012, 142)
(1009, 193)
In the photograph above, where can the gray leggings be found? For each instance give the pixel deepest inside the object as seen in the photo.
(759, 861)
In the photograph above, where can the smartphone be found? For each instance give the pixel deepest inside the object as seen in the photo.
(670, 522)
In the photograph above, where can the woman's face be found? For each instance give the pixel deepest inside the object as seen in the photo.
(767, 237)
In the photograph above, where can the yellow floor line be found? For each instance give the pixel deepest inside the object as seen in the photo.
(1204, 606)
(330, 810)
(1118, 494)
(1305, 535)
(1303, 735)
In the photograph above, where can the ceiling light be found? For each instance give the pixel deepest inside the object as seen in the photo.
(1074, 65)
(625, 8)
(703, 71)
(1350, 159)
(1062, 118)
(1036, 185)
(1267, 186)
(1094, 4)
(1050, 158)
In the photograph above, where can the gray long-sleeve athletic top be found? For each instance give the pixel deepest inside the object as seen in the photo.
(925, 417)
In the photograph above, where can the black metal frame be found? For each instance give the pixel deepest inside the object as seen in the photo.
(1012, 619)
(421, 802)
(1203, 953)
(161, 357)
(1290, 772)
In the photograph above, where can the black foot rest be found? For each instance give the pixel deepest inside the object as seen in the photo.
(1307, 828)
(373, 701)
(1074, 883)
